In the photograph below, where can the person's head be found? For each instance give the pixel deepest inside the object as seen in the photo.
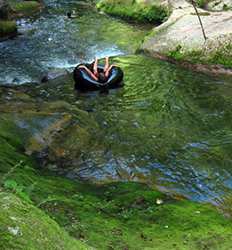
(102, 78)
(69, 14)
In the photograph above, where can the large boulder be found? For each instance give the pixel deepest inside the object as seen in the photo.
(181, 37)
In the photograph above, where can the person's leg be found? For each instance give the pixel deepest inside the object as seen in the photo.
(95, 65)
(89, 72)
(106, 64)
(108, 70)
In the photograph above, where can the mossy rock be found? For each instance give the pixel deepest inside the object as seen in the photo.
(25, 8)
(134, 10)
(7, 28)
(23, 226)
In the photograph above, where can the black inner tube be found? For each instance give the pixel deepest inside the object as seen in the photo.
(84, 81)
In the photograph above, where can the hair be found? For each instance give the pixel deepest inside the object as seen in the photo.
(69, 14)
(102, 78)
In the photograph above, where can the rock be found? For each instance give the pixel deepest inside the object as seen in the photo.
(180, 37)
(8, 29)
(4, 9)
(219, 5)
(25, 8)
(53, 75)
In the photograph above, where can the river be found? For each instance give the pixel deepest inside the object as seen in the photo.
(168, 126)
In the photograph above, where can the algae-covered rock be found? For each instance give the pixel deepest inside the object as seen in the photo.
(54, 132)
(24, 8)
(181, 37)
(7, 29)
(23, 226)
(140, 10)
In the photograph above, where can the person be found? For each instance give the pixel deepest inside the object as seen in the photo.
(92, 70)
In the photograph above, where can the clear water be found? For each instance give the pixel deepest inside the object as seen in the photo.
(167, 126)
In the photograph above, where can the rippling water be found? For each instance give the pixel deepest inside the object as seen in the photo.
(167, 126)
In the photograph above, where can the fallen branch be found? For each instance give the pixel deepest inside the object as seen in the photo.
(202, 28)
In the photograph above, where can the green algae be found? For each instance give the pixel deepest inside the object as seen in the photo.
(134, 11)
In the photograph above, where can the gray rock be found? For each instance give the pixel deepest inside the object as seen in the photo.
(219, 5)
(181, 35)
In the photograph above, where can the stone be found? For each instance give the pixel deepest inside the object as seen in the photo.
(181, 38)
(4, 9)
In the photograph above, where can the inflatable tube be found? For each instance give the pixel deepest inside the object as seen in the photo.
(84, 82)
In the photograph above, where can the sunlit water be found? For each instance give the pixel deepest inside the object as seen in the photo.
(167, 126)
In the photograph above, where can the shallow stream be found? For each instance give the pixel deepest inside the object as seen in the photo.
(168, 126)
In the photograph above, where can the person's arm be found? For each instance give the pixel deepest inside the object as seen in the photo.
(106, 64)
(89, 72)
(108, 70)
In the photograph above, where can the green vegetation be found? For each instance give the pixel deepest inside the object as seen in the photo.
(134, 11)
(7, 28)
(202, 3)
(221, 56)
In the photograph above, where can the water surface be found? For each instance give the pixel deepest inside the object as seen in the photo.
(168, 126)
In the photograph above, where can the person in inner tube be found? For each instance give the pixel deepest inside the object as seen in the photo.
(92, 70)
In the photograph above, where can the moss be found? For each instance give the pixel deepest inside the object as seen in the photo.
(7, 28)
(23, 226)
(25, 8)
(134, 11)
(221, 56)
